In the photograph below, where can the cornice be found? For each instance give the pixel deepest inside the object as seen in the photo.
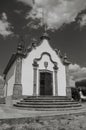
(46, 37)
(45, 53)
(48, 54)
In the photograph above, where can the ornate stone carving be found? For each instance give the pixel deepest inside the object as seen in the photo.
(48, 54)
(45, 64)
(35, 63)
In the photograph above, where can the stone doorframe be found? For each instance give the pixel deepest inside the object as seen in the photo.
(35, 69)
(44, 70)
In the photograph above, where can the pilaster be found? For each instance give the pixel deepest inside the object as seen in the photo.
(1, 90)
(68, 88)
(35, 66)
(55, 75)
(17, 89)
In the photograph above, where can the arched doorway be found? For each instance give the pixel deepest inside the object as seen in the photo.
(46, 83)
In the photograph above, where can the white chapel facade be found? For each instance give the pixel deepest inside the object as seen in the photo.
(38, 71)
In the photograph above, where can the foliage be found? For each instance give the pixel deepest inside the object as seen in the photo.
(75, 94)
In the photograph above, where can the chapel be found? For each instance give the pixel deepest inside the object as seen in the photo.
(39, 70)
(38, 73)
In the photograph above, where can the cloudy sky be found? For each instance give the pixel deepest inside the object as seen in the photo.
(65, 21)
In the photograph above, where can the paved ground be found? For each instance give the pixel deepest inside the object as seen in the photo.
(12, 112)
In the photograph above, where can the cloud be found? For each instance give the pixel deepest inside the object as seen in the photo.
(82, 21)
(77, 72)
(18, 11)
(56, 12)
(27, 2)
(5, 26)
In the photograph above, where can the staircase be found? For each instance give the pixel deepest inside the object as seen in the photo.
(46, 103)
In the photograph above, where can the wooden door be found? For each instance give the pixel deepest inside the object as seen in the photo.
(46, 87)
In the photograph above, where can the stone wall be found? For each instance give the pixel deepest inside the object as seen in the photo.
(2, 98)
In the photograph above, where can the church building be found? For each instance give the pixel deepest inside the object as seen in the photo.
(38, 70)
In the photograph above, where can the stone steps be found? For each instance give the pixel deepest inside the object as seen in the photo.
(45, 100)
(46, 97)
(47, 106)
(46, 103)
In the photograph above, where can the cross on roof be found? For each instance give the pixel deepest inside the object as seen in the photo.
(42, 18)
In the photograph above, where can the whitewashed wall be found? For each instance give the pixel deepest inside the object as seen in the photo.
(27, 69)
(10, 79)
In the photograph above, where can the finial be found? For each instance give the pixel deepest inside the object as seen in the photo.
(43, 20)
(65, 56)
(22, 40)
(65, 60)
(45, 36)
(19, 48)
(33, 2)
(59, 53)
(34, 42)
(56, 50)
(21, 45)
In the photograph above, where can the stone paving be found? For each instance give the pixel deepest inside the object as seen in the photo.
(16, 119)
(12, 112)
